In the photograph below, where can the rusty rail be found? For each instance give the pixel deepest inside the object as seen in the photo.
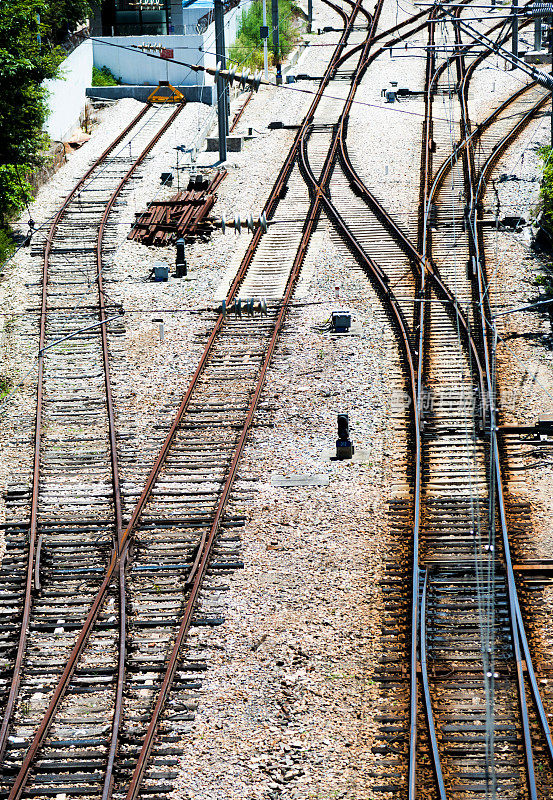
(127, 534)
(33, 523)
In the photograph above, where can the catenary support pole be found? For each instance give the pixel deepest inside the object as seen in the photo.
(276, 41)
(309, 15)
(537, 33)
(514, 35)
(265, 42)
(221, 83)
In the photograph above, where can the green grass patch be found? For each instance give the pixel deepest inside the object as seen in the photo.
(103, 76)
(5, 386)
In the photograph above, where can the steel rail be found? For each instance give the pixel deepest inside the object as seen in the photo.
(33, 523)
(412, 252)
(126, 537)
(433, 186)
(415, 256)
(426, 690)
(374, 271)
(122, 650)
(416, 259)
(466, 148)
(519, 630)
(387, 32)
(469, 171)
(239, 113)
(320, 189)
(208, 540)
(68, 671)
(415, 253)
(377, 274)
(426, 169)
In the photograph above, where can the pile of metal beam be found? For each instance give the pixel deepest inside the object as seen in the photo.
(183, 215)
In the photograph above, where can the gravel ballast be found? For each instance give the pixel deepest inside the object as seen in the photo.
(288, 705)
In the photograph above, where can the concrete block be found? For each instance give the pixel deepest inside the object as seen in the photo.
(316, 479)
(192, 94)
(234, 144)
(360, 456)
(537, 57)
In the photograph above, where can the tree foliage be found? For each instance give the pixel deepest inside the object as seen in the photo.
(247, 49)
(29, 33)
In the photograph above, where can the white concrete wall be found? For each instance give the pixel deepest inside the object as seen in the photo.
(67, 95)
(137, 68)
(134, 67)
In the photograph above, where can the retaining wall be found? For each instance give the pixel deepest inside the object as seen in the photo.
(193, 94)
(68, 95)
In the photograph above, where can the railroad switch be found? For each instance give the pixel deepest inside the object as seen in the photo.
(340, 320)
(344, 447)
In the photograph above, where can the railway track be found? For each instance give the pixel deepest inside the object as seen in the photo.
(127, 585)
(462, 594)
(74, 502)
(108, 725)
(454, 563)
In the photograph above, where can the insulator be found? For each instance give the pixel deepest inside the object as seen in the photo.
(264, 307)
(543, 78)
(540, 10)
(237, 223)
(256, 80)
(223, 222)
(249, 222)
(249, 306)
(232, 75)
(263, 222)
(223, 308)
(238, 307)
(217, 71)
(244, 78)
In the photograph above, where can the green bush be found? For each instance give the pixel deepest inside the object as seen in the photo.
(247, 50)
(546, 192)
(5, 386)
(103, 76)
(15, 192)
(7, 245)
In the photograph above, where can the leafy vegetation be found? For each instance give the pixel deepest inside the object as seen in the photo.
(247, 50)
(7, 245)
(5, 386)
(30, 31)
(104, 77)
(546, 192)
